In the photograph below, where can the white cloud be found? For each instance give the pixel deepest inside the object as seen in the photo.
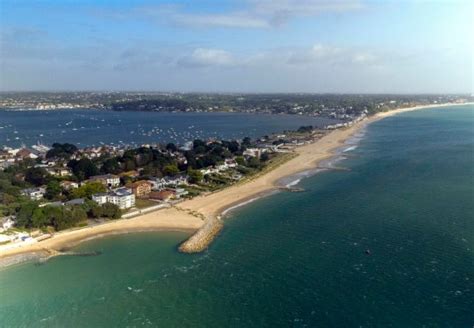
(280, 11)
(239, 20)
(253, 14)
(201, 57)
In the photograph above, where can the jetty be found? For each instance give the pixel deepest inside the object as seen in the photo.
(203, 237)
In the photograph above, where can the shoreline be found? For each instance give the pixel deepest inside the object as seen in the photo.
(215, 205)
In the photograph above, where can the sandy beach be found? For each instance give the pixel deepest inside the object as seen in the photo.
(212, 205)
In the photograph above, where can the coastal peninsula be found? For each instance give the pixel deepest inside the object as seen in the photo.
(204, 212)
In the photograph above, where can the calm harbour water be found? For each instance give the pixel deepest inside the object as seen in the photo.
(93, 127)
(293, 259)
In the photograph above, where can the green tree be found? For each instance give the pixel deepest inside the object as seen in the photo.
(25, 213)
(84, 168)
(78, 214)
(195, 176)
(171, 170)
(96, 211)
(61, 150)
(111, 165)
(36, 176)
(171, 147)
(111, 211)
(246, 142)
(55, 215)
(88, 189)
(253, 162)
(240, 160)
(53, 189)
(39, 219)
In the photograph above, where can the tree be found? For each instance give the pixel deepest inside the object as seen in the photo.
(78, 214)
(195, 176)
(53, 189)
(246, 142)
(96, 211)
(265, 157)
(111, 211)
(240, 160)
(253, 162)
(36, 176)
(25, 213)
(88, 189)
(171, 147)
(55, 215)
(111, 165)
(83, 169)
(171, 170)
(61, 150)
(233, 146)
(39, 219)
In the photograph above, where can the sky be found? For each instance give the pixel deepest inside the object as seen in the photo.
(315, 46)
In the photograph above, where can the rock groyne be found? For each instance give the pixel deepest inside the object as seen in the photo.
(203, 237)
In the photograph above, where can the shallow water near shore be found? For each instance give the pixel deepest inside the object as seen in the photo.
(293, 259)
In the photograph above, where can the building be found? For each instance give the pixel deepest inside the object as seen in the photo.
(108, 180)
(180, 192)
(140, 188)
(75, 201)
(161, 183)
(122, 197)
(163, 195)
(24, 153)
(253, 152)
(69, 185)
(7, 223)
(34, 193)
(59, 171)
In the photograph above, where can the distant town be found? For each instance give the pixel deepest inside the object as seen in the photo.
(339, 106)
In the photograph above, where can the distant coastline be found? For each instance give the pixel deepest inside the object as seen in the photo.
(183, 218)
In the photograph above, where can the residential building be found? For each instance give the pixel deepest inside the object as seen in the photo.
(161, 183)
(7, 223)
(122, 197)
(140, 188)
(163, 195)
(34, 193)
(108, 180)
(253, 152)
(59, 171)
(69, 185)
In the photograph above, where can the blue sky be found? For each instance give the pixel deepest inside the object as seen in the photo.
(351, 46)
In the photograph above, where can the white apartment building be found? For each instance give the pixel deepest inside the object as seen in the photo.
(122, 197)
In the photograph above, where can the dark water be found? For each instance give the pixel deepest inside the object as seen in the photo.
(93, 127)
(294, 259)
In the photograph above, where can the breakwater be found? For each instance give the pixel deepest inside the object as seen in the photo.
(203, 237)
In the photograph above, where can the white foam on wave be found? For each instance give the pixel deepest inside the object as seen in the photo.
(293, 183)
(227, 210)
(349, 149)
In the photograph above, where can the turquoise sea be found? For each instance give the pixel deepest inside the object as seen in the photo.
(294, 259)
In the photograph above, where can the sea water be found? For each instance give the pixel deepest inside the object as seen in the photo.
(88, 127)
(387, 243)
